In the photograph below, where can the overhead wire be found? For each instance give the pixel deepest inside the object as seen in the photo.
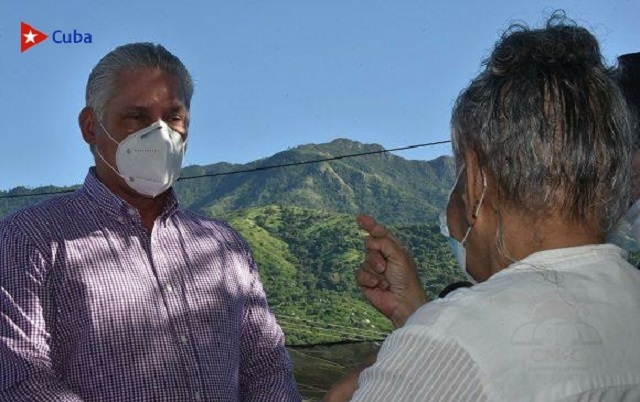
(256, 169)
(311, 332)
(379, 333)
(320, 359)
(341, 337)
(333, 343)
(333, 158)
(319, 329)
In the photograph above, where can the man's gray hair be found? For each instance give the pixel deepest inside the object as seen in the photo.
(101, 81)
(549, 124)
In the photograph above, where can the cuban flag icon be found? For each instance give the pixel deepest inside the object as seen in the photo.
(29, 36)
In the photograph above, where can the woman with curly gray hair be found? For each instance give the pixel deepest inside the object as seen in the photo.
(542, 142)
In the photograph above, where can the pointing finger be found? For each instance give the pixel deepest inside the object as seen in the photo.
(371, 226)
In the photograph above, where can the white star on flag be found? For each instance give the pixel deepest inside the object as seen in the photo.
(30, 37)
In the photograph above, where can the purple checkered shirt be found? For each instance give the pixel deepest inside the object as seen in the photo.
(93, 308)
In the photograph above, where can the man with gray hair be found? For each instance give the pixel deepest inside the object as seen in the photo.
(114, 293)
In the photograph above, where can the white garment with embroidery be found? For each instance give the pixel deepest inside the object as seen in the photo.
(560, 325)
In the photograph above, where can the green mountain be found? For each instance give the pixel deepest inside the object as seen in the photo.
(387, 186)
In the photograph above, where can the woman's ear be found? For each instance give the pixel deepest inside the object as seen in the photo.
(475, 185)
(87, 122)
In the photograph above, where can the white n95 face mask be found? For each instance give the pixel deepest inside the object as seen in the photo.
(456, 246)
(150, 159)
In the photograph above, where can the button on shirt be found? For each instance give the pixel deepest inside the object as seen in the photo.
(94, 308)
(560, 325)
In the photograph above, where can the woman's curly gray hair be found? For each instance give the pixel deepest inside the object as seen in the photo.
(549, 124)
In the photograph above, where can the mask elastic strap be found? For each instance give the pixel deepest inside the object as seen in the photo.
(100, 155)
(108, 164)
(475, 214)
(108, 133)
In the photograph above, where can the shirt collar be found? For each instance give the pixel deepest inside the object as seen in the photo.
(115, 206)
(547, 258)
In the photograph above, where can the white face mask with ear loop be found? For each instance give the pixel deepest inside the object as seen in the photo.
(149, 160)
(456, 246)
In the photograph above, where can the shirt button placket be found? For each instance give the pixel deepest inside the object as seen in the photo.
(185, 341)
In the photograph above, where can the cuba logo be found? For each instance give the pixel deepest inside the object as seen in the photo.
(75, 37)
(29, 37)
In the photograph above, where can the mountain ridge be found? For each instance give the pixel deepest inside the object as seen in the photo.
(394, 189)
(388, 186)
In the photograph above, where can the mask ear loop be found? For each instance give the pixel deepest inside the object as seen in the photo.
(477, 211)
(108, 164)
(100, 155)
(108, 133)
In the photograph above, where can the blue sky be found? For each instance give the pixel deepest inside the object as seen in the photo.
(269, 74)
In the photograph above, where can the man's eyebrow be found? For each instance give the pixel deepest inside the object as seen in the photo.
(139, 109)
(179, 109)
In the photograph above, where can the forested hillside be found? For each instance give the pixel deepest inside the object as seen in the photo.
(307, 259)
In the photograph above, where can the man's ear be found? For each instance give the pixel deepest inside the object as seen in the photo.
(87, 120)
(475, 181)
